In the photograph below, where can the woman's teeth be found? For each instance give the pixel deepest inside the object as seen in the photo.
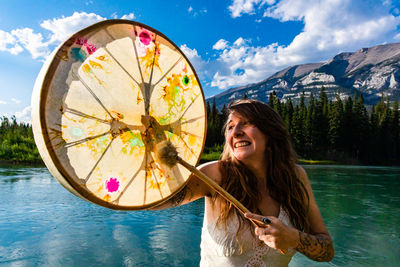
(240, 144)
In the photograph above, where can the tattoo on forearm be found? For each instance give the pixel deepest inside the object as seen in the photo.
(179, 197)
(191, 193)
(316, 247)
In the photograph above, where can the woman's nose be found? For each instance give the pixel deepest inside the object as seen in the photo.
(237, 131)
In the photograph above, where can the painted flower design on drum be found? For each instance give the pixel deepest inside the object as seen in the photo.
(91, 48)
(145, 37)
(177, 85)
(151, 59)
(112, 185)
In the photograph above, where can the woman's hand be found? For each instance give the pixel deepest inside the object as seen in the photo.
(275, 234)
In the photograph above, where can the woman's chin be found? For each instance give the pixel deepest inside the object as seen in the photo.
(243, 157)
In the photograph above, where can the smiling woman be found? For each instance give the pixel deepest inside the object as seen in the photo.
(245, 140)
(258, 167)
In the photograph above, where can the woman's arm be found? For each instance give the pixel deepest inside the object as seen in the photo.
(194, 189)
(316, 245)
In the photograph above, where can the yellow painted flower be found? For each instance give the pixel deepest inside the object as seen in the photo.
(151, 58)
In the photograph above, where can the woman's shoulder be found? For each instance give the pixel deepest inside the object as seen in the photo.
(300, 172)
(211, 169)
(302, 175)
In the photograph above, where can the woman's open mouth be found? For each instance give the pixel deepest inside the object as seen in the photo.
(242, 144)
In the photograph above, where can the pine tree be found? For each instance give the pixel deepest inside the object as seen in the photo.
(386, 141)
(277, 105)
(321, 123)
(302, 124)
(208, 110)
(297, 131)
(323, 98)
(212, 125)
(271, 99)
(288, 113)
(221, 127)
(373, 137)
(309, 134)
(348, 123)
(335, 124)
(396, 131)
(361, 127)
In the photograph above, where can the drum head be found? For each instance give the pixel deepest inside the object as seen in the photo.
(104, 100)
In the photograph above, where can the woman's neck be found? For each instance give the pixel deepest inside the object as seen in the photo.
(259, 170)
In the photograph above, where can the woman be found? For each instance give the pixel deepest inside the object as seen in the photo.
(258, 167)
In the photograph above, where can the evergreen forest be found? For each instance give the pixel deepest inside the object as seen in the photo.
(342, 130)
(16, 142)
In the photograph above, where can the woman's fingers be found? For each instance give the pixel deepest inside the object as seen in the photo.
(265, 220)
(262, 231)
(271, 231)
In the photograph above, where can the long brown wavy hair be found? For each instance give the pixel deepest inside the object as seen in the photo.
(282, 182)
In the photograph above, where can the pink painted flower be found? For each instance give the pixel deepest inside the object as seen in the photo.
(145, 37)
(81, 41)
(90, 48)
(112, 185)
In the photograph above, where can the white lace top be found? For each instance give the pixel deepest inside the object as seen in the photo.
(220, 248)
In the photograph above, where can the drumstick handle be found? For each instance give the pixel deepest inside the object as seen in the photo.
(217, 188)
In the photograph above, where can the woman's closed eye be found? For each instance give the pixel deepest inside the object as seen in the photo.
(230, 126)
(241, 125)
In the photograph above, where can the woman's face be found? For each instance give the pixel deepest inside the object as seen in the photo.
(246, 141)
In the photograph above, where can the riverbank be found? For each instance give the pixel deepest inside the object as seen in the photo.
(216, 156)
(214, 153)
(23, 163)
(205, 157)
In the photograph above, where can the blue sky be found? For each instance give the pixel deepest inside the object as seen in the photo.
(230, 43)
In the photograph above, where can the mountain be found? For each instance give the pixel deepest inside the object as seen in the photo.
(369, 71)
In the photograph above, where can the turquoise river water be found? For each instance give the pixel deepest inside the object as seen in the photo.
(42, 224)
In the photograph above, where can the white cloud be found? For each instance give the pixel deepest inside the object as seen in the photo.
(33, 42)
(114, 15)
(16, 101)
(220, 45)
(195, 13)
(193, 56)
(324, 35)
(327, 33)
(9, 43)
(239, 7)
(24, 115)
(2, 102)
(242, 64)
(239, 42)
(62, 28)
(129, 16)
(203, 68)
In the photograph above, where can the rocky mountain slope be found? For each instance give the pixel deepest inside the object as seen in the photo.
(371, 71)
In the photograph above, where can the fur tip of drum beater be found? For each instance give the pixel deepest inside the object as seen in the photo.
(167, 153)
